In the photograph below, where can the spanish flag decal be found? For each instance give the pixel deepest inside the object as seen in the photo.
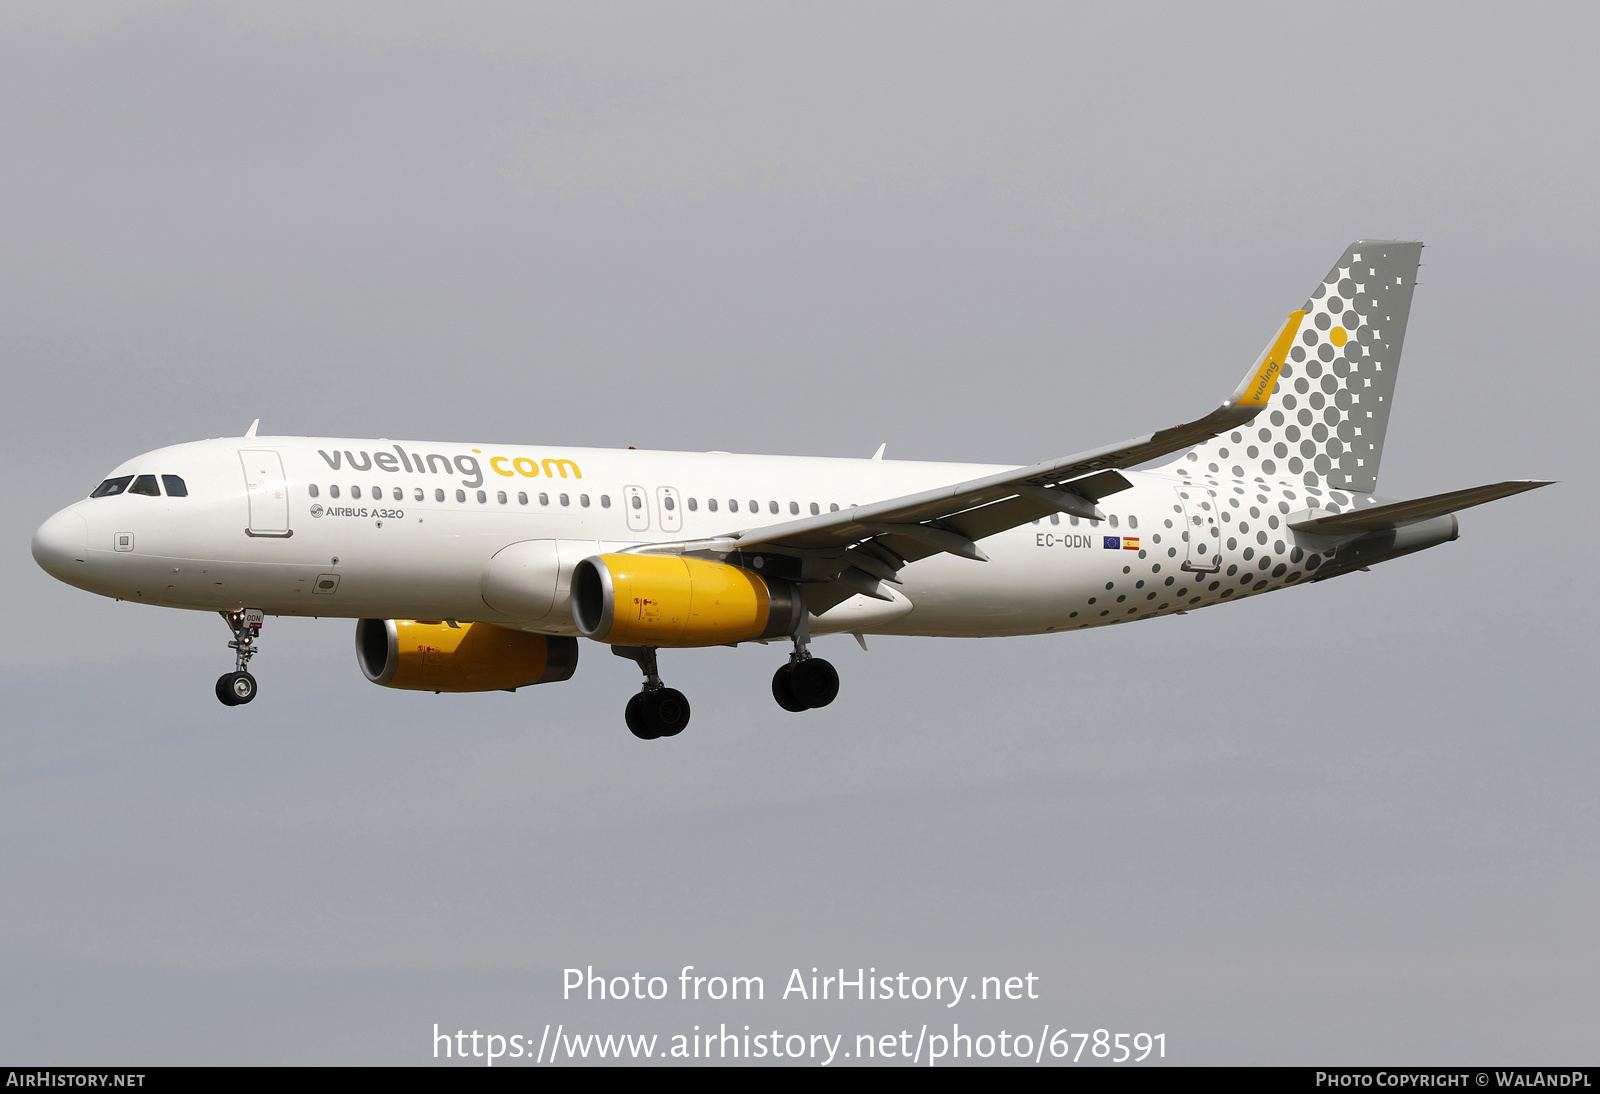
(1130, 543)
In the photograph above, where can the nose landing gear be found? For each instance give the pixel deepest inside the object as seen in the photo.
(239, 687)
(657, 710)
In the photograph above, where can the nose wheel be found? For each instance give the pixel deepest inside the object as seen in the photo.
(239, 687)
(657, 710)
(236, 688)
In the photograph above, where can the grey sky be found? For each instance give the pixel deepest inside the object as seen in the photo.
(1354, 822)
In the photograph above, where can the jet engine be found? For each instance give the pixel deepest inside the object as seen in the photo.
(669, 600)
(425, 655)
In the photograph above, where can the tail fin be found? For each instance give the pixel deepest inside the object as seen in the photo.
(1325, 422)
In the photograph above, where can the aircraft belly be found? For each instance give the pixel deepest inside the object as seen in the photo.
(1020, 590)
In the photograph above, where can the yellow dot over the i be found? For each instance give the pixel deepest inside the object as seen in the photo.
(1338, 336)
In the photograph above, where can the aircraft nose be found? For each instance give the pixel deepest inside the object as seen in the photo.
(58, 545)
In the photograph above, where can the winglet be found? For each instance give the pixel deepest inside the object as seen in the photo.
(878, 455)
(1263, 376)
(251, 432)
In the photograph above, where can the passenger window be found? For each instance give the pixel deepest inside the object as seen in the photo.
(733, 505)
(755, 506)
(583, 500)
(399, 494)
(461, 495)
(483, 497)
(417, 494)
(1133, 522)
(833, 507)
(1055, 518)
(1072, 521)
(668, 504)
(565, 500)
(694, 506)
(333, 491)
(711, 504)
(772, 507)
(377, 493)
(311, 489)
(815, 509)
(146, 485)
(500, 496)
(637, 502)
(355, 492)
(522, 498)
(544, 499)
(794, 509)
(438, 495)
(1112, 520)
(112, 487)
(605, 501)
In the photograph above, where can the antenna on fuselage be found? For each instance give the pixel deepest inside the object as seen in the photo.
(251, 432)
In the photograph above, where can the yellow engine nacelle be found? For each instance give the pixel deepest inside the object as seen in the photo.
(423, 655)
(669, 600)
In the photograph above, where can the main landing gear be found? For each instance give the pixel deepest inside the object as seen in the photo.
(657, 711)
(239, 687)
(805, 682)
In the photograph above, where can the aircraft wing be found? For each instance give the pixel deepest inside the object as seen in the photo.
(877, 539)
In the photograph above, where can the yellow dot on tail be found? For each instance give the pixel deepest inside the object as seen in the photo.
(1338, 336)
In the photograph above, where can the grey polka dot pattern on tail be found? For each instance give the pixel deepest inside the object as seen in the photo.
(1325, 423)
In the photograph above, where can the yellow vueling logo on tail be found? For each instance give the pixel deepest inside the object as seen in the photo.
(1259, 389)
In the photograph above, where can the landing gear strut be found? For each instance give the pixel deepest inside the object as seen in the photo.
(238, 687)
(657, 711)
(805, 682)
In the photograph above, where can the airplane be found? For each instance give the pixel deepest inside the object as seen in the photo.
(477, 567)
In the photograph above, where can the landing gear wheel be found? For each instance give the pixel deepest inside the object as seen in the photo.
(662, 712)
(814, 681)
(665, 711)
(657, 711)
(783, 690)
(236, 688)
(635, 718)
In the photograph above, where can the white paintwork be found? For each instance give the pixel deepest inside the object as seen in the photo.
(472, 560)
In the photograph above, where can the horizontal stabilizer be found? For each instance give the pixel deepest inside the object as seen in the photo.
(1400, 513)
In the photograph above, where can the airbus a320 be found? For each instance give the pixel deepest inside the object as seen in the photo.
(478, 567)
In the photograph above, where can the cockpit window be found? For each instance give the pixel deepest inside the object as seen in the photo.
(112, 487)
(145, 484)
(175, 486)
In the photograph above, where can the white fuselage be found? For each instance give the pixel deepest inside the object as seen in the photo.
(384, 529)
